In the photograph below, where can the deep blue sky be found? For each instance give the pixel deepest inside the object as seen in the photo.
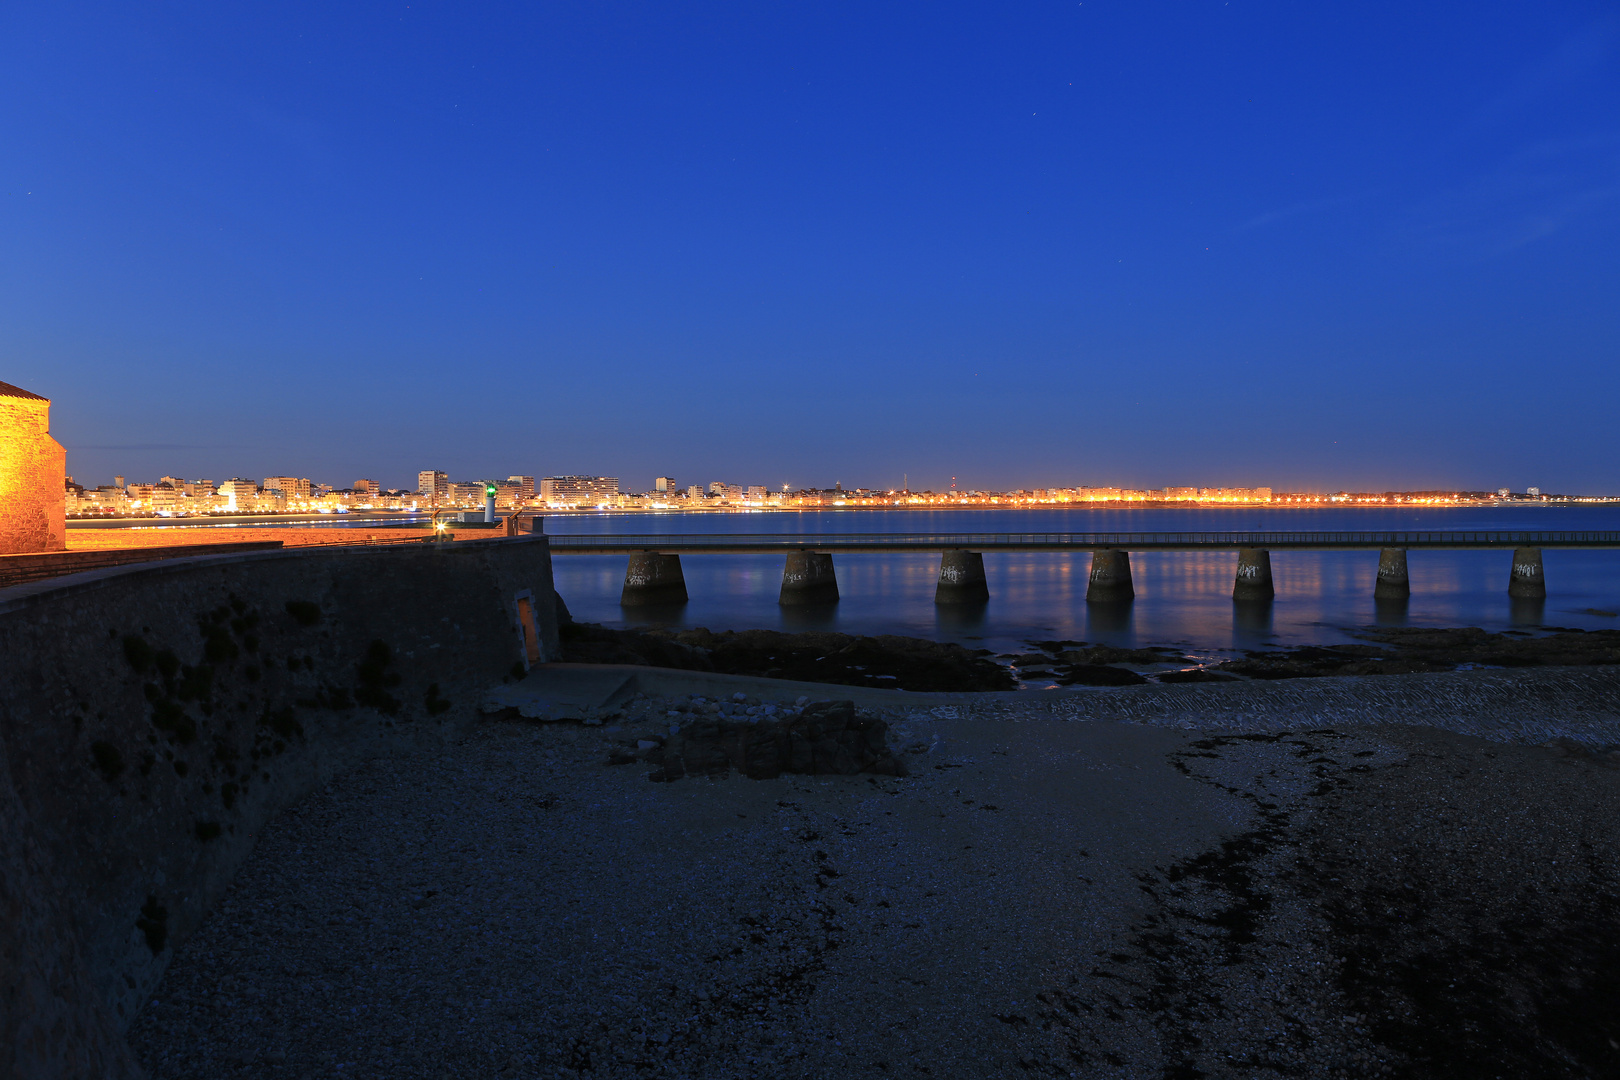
(1310, 245)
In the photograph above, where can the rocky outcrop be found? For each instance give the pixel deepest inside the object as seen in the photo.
(1074, 663)
(1408, 650)
(1098, 675)
(824, 738)
(886, 661)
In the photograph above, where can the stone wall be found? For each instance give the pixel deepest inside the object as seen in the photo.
(153, 717)
(33, 469)
(37, 566)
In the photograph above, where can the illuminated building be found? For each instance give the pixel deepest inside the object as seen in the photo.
(290, 486)
(464, 493)
(33, 475)
(432, 484)
(579, 489)
(239, 495)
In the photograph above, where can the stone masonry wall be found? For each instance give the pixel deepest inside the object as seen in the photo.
(33, 467)
(153, 717)
(38, 566)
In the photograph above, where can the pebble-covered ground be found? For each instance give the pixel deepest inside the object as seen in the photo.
(1333, 878)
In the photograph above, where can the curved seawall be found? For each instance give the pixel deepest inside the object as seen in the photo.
(153, 718)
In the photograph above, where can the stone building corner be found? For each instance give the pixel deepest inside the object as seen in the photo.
(33, 474)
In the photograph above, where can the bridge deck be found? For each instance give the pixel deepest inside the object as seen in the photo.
(758, 543)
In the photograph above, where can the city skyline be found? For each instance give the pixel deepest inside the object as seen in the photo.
(174, 496)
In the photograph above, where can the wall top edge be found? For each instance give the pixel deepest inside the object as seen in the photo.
(30, 595)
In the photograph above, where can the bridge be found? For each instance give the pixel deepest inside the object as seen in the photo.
(654, 573)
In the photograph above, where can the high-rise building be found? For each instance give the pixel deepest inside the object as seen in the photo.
(523, 485)
(239, 494)
(584, 489)
(695, 491)
(432, 484)
(366, 487)
(464, 493)
(664, 483)
(292, 487)
(167, 498)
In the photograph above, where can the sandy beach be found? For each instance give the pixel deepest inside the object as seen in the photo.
(1382, 876)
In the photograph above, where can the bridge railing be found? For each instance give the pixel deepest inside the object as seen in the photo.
(1131, 540)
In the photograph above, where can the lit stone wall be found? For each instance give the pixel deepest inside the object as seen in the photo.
(32, 469)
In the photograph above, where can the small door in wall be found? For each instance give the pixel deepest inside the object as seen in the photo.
(528, 628)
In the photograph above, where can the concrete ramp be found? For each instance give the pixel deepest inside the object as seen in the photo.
(586, 692)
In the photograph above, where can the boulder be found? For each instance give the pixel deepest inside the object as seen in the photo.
(826, 738)
(1098, 675)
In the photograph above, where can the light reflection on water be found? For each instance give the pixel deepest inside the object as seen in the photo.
(1182, 598)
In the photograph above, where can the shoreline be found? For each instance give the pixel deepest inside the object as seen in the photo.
(924, 664)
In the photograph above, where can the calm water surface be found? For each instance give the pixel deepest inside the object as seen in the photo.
(1182, 598)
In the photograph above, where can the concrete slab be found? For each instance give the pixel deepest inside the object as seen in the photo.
(586, 692)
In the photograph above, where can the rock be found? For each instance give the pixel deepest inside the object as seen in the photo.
(888, 661)
(1098, 675)
(1196, 675)
(1406, 650)
(1107, 654)
(825, 738)
(1313, 660)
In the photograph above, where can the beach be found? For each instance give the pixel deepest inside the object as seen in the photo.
(1408, 875)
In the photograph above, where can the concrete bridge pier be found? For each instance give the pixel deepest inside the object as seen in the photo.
(808, 578)
(1393, 583)
(1253, 575)
(653, 578)
(961, 578)
(1110, 577)
(1527, 582)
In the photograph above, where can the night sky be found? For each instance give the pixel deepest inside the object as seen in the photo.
(1313, 246)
